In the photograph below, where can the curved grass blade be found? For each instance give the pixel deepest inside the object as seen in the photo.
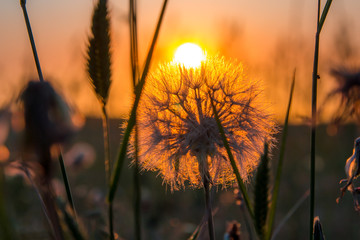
(232, 161)
(280, 164)
(135, 76)
(324, 14)
(132, 119)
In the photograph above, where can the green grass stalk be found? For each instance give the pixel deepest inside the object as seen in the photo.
(105, 124)
(66, 182)
(135, 76)
(32, 41)
(132, 119)
(232, 161)
(315, 76)
(275, 192)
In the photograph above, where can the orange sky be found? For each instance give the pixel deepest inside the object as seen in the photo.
(271, 38)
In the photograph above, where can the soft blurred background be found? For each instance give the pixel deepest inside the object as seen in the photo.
(271, 38)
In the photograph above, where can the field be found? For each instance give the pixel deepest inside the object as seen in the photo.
(168, 215)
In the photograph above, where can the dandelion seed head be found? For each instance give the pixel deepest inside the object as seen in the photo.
(178, 133)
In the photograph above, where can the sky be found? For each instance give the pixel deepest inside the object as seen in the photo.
(272, 38)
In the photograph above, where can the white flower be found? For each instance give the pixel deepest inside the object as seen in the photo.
(179, 136)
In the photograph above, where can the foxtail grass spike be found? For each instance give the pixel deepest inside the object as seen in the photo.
(261, 193)
(275, 192)
(99, 71)
(132, 119)
(32, 41)
(98, 53)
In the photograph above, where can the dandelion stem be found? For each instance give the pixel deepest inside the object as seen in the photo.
(208, 208)
(32, 41)
(137, 189)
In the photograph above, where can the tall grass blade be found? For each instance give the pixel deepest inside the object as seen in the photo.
(315, 76)
(98, 53)
(261, 194)
(275, 192)
(66, 182)
(32, 41)
(132, 119)
(232, 161)
(135, 76)
(324, 14)
(133, 42)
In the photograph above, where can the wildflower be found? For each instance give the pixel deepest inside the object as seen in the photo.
(47, 120)
(179, 136)
(349, 91)
(352, 171)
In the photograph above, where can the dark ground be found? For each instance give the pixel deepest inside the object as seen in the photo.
(167, 215)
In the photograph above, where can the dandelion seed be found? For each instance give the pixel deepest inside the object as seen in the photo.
(179, 136)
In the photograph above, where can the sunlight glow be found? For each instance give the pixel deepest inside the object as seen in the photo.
(190, 55)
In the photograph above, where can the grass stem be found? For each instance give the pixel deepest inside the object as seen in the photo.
(313, 125)
(132, 119)
(275, 191)
(105, 124)
(32, 41)
(66, 182)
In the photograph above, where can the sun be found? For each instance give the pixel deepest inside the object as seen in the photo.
(190, 55)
